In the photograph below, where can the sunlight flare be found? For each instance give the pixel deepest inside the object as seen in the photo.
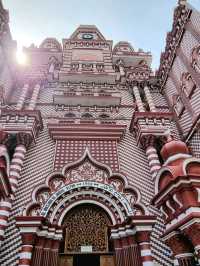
(21, 57)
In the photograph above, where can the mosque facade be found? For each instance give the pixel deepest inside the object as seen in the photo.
(99, 155)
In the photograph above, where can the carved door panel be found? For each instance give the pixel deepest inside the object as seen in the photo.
(86, 226)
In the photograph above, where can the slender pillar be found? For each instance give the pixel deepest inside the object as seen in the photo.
(22, 97)
(124, 244)
(138, 99)
(134, 251)
(118, 247)
(153, 160)
(5, 200)
(5, 207)
(15, 169)
(54, 255)
(25, 254)
(39, 246)
(4, 150)
(28, 227)
(34, 97)
(48, 246)
(16, 166)
(38, 251)
(148, 143)
(149, 99)
(23, 140)
(145, 248)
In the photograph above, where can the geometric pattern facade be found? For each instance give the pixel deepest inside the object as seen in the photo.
(91, 134)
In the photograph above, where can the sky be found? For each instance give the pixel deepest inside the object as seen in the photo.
(143, 23)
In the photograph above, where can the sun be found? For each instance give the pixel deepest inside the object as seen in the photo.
(21, 58)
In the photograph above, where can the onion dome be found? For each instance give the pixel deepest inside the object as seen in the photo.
(173, 147)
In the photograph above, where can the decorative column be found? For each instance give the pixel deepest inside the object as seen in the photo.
(133, 250)
(23, 141)
(5, 207)
(148, 143)
(47, 247)
(124, 244)
(5, 200)
(143, 238)
(28, 228)
(22, 97)
(118, 247)
(38, 251)
(54, 252)
(26, 249)
(34, 97)
(150, 99)
(55, 246)
(138, 99)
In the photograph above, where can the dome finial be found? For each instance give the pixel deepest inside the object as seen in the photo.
(182, 2)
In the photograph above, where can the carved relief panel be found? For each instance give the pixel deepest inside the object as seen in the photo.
(86, 225)
(86, 171)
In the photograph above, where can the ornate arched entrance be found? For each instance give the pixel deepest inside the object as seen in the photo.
(86, 238)
(83, 211)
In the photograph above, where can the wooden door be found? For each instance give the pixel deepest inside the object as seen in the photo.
(107, 260)
(66, 260)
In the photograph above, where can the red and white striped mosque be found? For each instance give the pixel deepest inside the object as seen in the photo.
(99, 155)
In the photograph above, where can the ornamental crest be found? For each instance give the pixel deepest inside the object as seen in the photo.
(86, 171)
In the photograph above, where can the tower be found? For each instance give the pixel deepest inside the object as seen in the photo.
(97, 166)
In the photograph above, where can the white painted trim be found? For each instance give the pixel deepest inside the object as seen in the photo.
(148, 263)
(176, 157)
(90, 202)
(184, 255)
(175, 186)
(85, 184)
(145, 252)
(5, 204)
(188, 161)
(25, 255)
(182, 216)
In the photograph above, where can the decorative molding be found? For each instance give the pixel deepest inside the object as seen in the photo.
(181, 17)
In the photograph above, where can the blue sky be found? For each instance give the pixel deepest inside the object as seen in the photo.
(144, 23)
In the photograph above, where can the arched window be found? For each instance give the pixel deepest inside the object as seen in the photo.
(87, 116)
(70, 115)
(104, 116)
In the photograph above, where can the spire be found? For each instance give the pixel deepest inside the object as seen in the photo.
(182, 2)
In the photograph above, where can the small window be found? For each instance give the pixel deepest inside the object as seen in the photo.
(104, 116)
(70, 115)
(87, 116)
